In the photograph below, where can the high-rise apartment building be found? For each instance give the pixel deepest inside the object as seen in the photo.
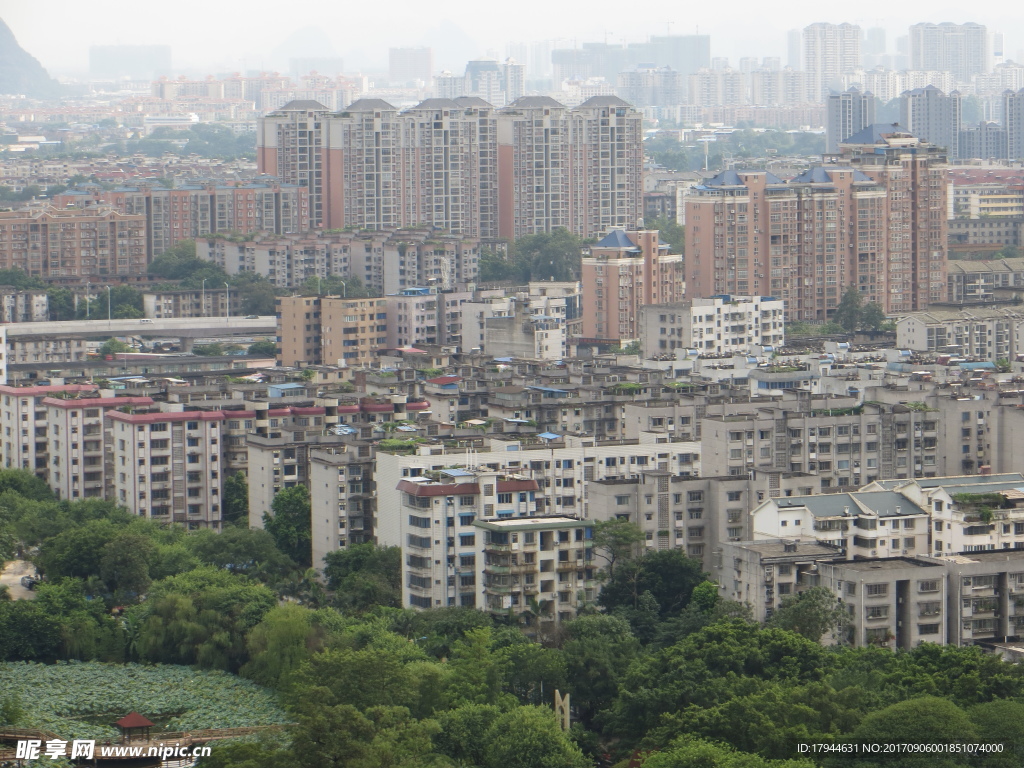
(962, 49)
(165, 465)
(290, 145)
(460, 165)
(652, 87)
(607, 166)
(534, 171)
(849, 112)
(913, 174)
(409, 65)
(1013, 123)
(933, 117)
(875, 220)
(623, 272)
(830, 50)
(73, 243)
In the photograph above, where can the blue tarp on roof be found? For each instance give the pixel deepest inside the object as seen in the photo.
(978, 366)
(548, 436)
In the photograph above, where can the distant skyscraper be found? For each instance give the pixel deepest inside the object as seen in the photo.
(830, 50)
(848, 113)
(962, 49)
(874, 48)
(406, 65)
(134, 62)
(933, 117)
(794, 45)
(719, 63)
(514, 80)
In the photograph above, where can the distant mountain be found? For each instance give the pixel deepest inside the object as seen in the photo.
(20, 73)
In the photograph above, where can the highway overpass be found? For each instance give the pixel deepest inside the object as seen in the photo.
(186, 330)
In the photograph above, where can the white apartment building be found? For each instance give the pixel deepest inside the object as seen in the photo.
(986, 333)
(77, 451)
(166, 465)
(425, 316)
(716, 325)
(869, 524)
(23, 416)
(343, 497)
(541, 567)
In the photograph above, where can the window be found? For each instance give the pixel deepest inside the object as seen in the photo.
(927, 629)
(467, 501)
(504, 498)
(621, 500)
(419, 522)
(931, 585)
(876, 590)
(876, 612)
(467, 540)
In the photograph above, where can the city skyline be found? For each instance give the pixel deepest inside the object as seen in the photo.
(751, 30)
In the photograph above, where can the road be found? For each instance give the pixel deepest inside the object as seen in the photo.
(11, 576)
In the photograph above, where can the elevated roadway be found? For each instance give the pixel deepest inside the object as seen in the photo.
(185, 329)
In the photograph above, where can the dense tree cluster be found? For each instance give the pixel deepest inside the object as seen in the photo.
(663, 670)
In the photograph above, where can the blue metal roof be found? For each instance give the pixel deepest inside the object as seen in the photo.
(615, 239)
(548, 436)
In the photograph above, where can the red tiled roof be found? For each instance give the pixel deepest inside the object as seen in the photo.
(173, 416)
(47, 389)
(133, 720)
(442, 380)
(96, 402)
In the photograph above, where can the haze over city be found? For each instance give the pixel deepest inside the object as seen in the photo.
(236, 36)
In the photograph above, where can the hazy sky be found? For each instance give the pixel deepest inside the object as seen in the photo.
(220, 35)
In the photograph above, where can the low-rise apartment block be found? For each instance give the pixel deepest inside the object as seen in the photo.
(718, 325)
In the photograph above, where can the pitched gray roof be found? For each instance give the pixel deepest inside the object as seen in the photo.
(535, 102)
(302, 105)
(732, 179)
(437, 104)
(616, 239)
(605, 101)
(368, 105)
(472, 101)
(820, 175)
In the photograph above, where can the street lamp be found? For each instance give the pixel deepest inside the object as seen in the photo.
(202, 305)
(344, 289)
(227, 302)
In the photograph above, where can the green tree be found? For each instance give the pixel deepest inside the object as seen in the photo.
(924, 720)
(848, 314)
(668, 575)
(554, 255)
(244, 551)
(463, 734)
(280, 643)
(125, 562)
(597, 653)
(257, 293)
(530, 737)
(495, 267)
(24, 483)
(27, 633)
(872, 317)
(365, 576)
(209, 350)
(113, 347)
(615, 541)
(812, 613)
(262, 349)
(60, 303)
(476, 671)
(691, 751)
(669, 232)
(291, 525)
(76, 552)
(1000, 722)
(236, 499)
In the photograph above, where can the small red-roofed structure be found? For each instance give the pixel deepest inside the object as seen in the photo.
(134, 725)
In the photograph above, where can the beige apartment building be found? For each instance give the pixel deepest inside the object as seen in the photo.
(314, 330)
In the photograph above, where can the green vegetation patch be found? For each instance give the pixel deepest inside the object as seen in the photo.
(71, 698)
